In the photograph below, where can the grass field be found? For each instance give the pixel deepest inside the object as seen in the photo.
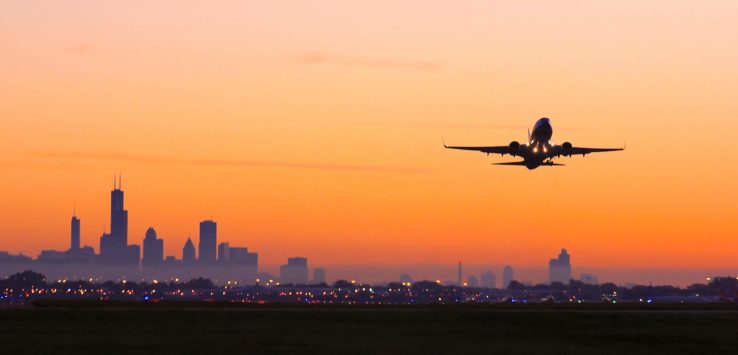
(193, 328)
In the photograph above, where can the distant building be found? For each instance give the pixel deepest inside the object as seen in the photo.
(472, 281)
(85, 254)
(589, 279)
(208, 241)
(224, 252)
(52, 257)
(507, 276)
(75, 235)
(7, 258)
(133, 254)
(242, 257)
(153, 248)
(559, 269)
(294, 272)
(188, 252)
(458, 276)
(488, 280)
(318, 276)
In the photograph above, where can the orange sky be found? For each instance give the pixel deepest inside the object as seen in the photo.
(314, 128)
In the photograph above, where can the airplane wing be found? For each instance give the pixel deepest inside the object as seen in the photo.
(585, 151)
(502, 149)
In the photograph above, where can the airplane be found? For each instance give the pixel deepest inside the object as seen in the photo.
(539, 150)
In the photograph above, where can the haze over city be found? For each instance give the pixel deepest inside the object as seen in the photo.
(323, 138)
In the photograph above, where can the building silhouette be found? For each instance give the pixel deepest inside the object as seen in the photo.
(472, 281)
(294, 272)
(74, 255)
(188, 252)
(75, 235)
(507, 276)
(153, 248)
(318, 276)
(114, 246)
(458, 276)
(488, 280)
(559, 269)
(224, 251)
(208, 241)
(242, 256)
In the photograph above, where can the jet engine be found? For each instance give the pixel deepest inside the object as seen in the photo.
(513, 148)
(566, 149)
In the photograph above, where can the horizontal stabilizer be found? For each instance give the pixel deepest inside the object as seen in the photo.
(522, 163)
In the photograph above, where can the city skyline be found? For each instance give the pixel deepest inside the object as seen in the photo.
(558, 269)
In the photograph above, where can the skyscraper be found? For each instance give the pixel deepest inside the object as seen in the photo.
(559, 269)
(318, 275)
(208, 241)
(488, 280)
(241, 259)
(153, 248)
(188, 252)
(472, 281)
(294, 272)
(458, 280)
(507, 276)
(114, 246)
(118, 216)
(74, 245)
(224, 250)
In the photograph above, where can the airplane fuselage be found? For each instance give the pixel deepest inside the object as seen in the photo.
(539, 147)
(542, 131)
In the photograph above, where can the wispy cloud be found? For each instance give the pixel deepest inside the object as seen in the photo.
(322, 58)
(146, 159)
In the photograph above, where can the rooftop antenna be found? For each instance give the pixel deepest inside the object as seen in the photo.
(120, 180)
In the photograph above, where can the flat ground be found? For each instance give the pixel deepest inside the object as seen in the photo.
(194, 328)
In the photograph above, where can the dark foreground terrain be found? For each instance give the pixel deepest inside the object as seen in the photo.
(58, 327)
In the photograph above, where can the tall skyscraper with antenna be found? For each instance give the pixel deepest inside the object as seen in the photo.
(114, 247)
(118, 215)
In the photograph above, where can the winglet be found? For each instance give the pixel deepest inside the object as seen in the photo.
(444, 143)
